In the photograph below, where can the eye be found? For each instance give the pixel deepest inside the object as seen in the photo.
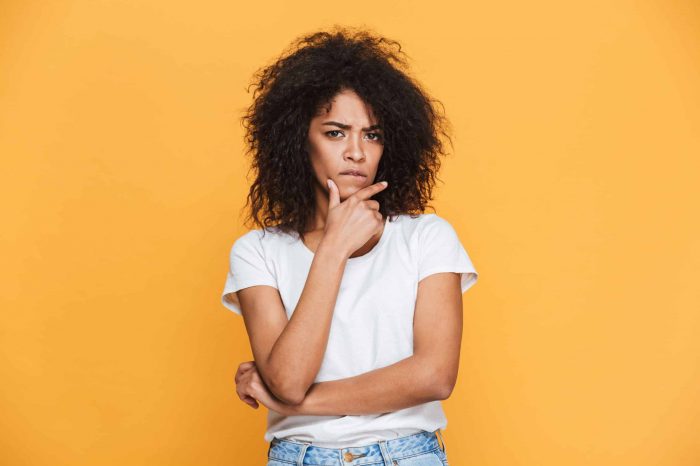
(333, 131)
(378, 136)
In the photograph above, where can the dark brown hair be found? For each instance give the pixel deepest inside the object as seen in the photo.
(307, 75)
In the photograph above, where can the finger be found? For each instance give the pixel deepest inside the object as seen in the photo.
(239, 376)
(371, 190)
(251, 401)
(248, 399)
(242, 372)
(255, 376)
(334, 195)
(244, 367)
(372, 204)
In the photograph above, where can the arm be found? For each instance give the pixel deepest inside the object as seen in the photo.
(429, 374)
(406, 383)
(288, 352)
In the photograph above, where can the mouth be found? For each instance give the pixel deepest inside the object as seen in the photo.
(354, 173)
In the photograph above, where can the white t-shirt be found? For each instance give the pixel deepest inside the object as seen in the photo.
(372, 324)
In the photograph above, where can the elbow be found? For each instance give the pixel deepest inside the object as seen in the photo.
(444, 383)
(443, 391)
(292, 398)
(288, 383)
(288, 393)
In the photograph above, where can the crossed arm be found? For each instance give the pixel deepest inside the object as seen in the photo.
(406, 383)
(428, 375)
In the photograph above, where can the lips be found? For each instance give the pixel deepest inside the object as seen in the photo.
(353, 172)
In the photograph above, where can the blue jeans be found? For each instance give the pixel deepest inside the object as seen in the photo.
(421, 449)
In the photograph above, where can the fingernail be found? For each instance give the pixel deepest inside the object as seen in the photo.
(328, 183)
(385, 183)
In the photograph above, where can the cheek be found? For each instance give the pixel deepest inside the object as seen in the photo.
(324, 160)
(376, 158)
(320, 165)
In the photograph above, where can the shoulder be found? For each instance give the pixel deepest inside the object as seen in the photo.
(434, 227)
(419, 225)
(249, 239)
(433, 221)
(258, 241)
(419, 232)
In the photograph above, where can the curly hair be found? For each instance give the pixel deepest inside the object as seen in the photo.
(306, 76)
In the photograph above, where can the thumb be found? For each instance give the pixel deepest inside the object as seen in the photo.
(334, 195)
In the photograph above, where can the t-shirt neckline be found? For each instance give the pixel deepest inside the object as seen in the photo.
(351, 260)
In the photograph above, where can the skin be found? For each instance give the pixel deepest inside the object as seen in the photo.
(288, 352)
(333, 149)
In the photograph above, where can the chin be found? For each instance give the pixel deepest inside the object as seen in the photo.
(348, 191)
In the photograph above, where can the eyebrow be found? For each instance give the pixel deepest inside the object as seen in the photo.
(340, 125)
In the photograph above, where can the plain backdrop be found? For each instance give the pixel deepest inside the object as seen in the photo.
(573, 184)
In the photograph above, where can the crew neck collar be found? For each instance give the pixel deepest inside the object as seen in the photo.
(368, 255)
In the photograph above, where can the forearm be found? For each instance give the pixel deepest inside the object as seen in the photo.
(406, 383)
(296, 356)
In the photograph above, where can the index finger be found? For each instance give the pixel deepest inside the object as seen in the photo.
(244, 367)
(369, 191)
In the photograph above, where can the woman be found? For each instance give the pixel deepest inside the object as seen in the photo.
(351, 296)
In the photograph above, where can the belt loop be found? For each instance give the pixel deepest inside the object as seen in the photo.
(442, 441)
(300, 460)
(385, 452)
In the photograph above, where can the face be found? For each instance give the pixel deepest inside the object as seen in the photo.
(344, 136)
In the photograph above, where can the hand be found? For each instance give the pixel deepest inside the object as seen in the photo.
(355, 220)
(251, 389)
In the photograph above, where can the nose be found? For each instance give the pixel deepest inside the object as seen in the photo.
(354, 150)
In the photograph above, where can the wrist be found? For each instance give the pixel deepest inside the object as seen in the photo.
(306, 407)
(296, 409)
(330, 247)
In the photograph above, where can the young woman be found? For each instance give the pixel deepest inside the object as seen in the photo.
(350, 294)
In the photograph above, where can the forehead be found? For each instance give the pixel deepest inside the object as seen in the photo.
(347, 107)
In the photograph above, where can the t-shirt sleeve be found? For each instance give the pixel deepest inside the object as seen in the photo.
(440, 250)
(247, 267)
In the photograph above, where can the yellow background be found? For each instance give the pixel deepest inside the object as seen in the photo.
(573, 185)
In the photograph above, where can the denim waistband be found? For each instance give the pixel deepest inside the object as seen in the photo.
(382, 452)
